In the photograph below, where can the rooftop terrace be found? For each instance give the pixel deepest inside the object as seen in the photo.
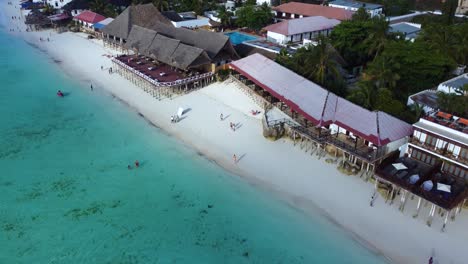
(447, 120)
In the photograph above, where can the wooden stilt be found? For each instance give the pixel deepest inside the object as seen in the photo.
(445, 221)
(418, 207)
(431, 215)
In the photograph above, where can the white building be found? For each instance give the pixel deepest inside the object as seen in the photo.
(428, 98)
(372, 9)
(462, 7)
(454, 85)
(442, 137)
(186, 19)
(296, 30)
(57, 3)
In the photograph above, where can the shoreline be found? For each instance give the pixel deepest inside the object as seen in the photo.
(362, 224)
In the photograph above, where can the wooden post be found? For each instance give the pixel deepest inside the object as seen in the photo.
(431, 215)
(445, 221)
(402, 201)
(417, 208)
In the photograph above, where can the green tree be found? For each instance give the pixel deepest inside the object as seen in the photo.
(419, 67)
(448, 11)
(250, 2)
(383, 72)
(316, 63)
(48, 10)
(103, 7)
(453, 103)
(254, 17)
(361, 15)
(365, 95)
(385, 102)
(161, 5)
(225, 16)
(378, 36)
(349, 39)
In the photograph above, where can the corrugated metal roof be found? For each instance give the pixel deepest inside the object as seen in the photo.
(318, 105)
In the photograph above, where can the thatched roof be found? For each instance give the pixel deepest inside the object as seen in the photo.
(167, 50)
(140, 38)
(141, 15)
(211, 42)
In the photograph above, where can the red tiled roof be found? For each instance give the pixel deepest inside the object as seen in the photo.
(89, 17)
(314, 10)
(318, 105)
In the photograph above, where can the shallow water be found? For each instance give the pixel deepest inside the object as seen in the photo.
(67, 196)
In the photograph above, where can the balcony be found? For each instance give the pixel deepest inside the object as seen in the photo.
(444, 152)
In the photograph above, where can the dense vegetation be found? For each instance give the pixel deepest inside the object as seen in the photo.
(393, 67)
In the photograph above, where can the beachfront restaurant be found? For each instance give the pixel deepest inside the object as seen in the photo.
(428, 182)
(320, 118)
(163, 66)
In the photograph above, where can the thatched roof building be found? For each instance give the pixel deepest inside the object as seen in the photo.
(216, 45)
(181, 48)
(140, 15)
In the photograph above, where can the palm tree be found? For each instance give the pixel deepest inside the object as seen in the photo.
(322, 61)
(224, 16)
(378, 37)
(365, 95)
(383, 73)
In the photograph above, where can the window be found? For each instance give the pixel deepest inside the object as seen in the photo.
(431, 141)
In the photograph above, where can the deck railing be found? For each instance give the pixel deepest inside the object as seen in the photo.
(163, 84)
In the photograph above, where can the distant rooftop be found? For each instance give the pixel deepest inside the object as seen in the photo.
(314, 10)
(410, 30)
(426, 98)
(457, 82)
(356, 4)
(303, 25)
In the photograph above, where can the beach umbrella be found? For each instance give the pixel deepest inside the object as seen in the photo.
(427, 185)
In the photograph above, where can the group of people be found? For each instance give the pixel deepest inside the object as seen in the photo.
(42, 39)
(174, 119)
(233, 126)
(137, 164)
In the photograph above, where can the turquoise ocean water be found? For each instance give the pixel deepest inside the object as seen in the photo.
(66, 195)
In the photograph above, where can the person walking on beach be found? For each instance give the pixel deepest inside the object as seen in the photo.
(234, 158)
(91, 87)
(102, 67)
(221, 117)
(431, 260)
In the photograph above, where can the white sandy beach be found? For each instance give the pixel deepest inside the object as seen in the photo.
(297, 177)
